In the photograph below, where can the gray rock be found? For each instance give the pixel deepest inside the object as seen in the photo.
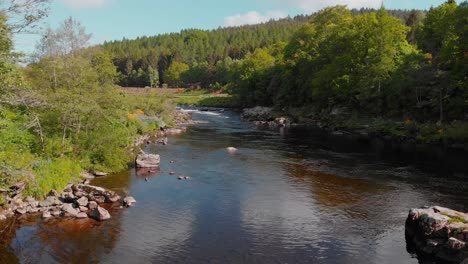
(113, 197)
(98, 198)
(21, 211)
(50, 201)
(29, 199)
(2, 217)
(83, 201)
(70, 210)
(100, 214)
(129, 201)
(455, 244)
(81, 215)
(100, 174)
(83, 209)
(92, 205)
(46, 215)
(148, 161)
(55, 213)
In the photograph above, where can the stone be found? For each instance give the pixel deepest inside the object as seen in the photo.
(46, 215)
(113, 198)
(129, 201)
(21, 211)
(172, 173)
(180, 178)
(81, 215)
(100, 174)
(92, 205)
(231, 149)
(98, 199)
(91, 189)
(29, 199)
(55, 213)
(87, 175)
(50, 201)
(83, 209)
(34, 210)
(100, 214)
(70, 210)
(148, 160)
(83, 201)
(455, 244)
(431, 223)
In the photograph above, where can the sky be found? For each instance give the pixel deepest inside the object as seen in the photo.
(115, 19)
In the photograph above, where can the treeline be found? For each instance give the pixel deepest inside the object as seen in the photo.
(62, 114)
(200, 57)
(367, 64)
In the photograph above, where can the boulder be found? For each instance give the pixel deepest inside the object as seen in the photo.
(100, 214)
(455, 244)
(55, 213)
(148, 160)
(46, 215)
(83, 201)
(92, 205)
(50, 201)
(97, 198)
(81, 215)
(100, 174)
(129, 201)
(438, 231)
(70, 210)
(231, 149)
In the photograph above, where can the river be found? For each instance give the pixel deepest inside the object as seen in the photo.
(290, 196)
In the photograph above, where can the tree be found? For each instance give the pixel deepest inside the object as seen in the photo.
(23, 15)
(174, 73)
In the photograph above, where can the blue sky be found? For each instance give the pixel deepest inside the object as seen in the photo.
(115, 19)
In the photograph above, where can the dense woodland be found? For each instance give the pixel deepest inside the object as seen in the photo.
(63, 113)
(203, 56)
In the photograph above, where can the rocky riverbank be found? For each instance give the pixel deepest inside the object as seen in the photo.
(84, 200)
(340, 122)
(438, 232)
(75, 201)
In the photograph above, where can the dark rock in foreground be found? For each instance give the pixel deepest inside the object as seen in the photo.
(439, 232)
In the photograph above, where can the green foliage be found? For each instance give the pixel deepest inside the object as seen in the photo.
(173, 75)
(52, 175)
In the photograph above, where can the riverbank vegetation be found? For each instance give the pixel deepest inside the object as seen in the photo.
(62, 114)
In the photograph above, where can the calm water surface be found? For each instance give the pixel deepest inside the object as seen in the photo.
(293, 196)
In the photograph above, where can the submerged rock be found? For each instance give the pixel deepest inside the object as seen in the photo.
(81, 215)
(231, 149)
(147, 160)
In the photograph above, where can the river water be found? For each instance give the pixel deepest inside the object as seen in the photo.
(287, 196)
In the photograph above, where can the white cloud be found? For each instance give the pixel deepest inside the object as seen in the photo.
(252, 17)
(77, 4)
(314, 5)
